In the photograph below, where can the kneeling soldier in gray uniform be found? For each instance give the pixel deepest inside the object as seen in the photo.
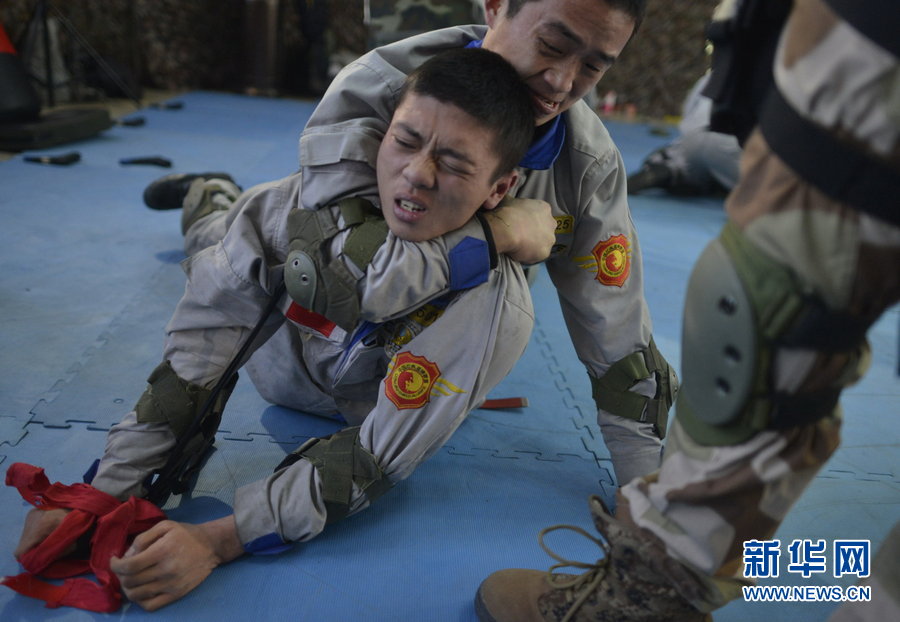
(286, 283)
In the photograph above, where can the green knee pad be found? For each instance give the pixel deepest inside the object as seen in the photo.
(742, 306)
(316, 282)
(612, 392)
(169, 399)
(178, 403)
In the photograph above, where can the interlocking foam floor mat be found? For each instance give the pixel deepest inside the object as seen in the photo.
(89, 276)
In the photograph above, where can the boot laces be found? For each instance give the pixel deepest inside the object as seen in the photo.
(580, 586)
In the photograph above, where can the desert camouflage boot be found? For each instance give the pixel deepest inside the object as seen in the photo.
(633, 580)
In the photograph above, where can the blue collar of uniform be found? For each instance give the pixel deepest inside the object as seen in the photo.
(543, 152)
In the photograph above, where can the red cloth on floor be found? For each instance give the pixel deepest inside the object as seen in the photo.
(115, 525)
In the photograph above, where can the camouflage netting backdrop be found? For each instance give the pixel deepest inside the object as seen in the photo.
(231, 44)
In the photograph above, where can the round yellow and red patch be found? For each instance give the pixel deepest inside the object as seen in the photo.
(613, 260)
(409, 383)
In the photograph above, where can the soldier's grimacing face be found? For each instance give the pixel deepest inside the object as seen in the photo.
(436, 168)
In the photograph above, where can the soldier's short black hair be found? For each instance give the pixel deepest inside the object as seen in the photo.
(484, 85)
(634, 8)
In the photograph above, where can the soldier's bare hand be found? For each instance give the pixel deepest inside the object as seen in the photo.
(523, 229)
(38, 525)
(170, 559)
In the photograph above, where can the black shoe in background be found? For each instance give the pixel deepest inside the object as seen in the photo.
(650, 175)
(168, 192)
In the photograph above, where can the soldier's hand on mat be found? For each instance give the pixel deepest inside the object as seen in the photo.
(38, 525)
(170, 559)
(523, 229)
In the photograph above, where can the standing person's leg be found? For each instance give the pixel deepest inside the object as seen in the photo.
(775, 321)
(713, 494)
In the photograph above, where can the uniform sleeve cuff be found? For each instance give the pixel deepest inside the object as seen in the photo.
(256, 530)
(489, 238)
(469, 257)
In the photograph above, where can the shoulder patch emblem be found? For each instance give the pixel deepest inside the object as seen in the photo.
(409, 383)
(613, 260)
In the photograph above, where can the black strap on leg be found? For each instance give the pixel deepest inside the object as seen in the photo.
(194, 445)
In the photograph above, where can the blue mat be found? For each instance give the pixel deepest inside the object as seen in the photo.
(88, 278)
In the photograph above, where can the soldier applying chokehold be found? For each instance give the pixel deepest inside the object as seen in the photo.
(561, 49)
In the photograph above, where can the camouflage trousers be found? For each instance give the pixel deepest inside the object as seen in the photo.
(705, 501)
